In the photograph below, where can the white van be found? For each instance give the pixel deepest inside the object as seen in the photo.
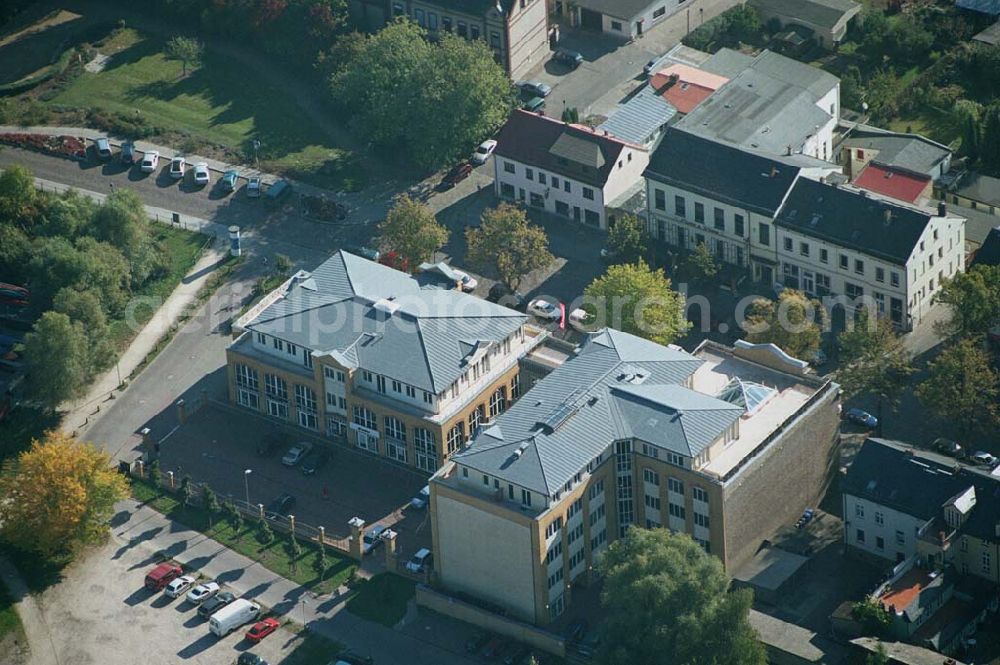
(237, 613)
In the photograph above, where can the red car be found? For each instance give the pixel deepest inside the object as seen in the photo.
(455, 176)
(262, 629)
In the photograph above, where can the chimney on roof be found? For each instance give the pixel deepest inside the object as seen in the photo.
(788, 150)
(774, 171)
(942, 209)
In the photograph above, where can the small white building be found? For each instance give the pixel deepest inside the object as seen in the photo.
(565, 169)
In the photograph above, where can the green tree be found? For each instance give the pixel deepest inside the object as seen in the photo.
(411, 231)
(701, 264)
(454, 90)
(851, 88)
(57, 357)
(15, 252)
(66, 216)
(186, 49)
(874, 618)
(84, 307)
(962, 388)
(792, 323)
(211, 503)
(627, 239)
(265, 535)
(973, 300)
(571, 114)
(668, 602)
(187, 491)
(156, 476)
(282, 264)
(17, 195)
(874, 25)
(967, 115)
(873, 361)
(883, 95)
(638, 300)
(909, 40)
(505, 244)
(989, 138)
(58, 495)
(56, 263)
(880, 657)
(321, 563)
(121, 221)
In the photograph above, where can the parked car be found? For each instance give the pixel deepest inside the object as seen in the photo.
(422, 498)
(315, 461)
(457, 174)
(102, 147)
(366, 252)
(372, 538)
(279, 190)
(201, 174)
(484, 151)
(983, 458)
(247, 658)
(202, 592)
(150, 160)
(178, 165)
(543, 309)
(580, 319)
(947, 447)
(229, 180)
(533, 104)
(650, 67)
(262, 629)
(127, 154)
(215, 603)
(861, 417)
(568, 57)
(179, 586)
(162, 575)
(296, 453)
(281, 506)
(253, 187)
(237, 613)
(534, 88)
(502, 295)
(469, 283)
(420, 560)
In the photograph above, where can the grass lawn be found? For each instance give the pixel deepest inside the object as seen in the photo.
(383, 599)
(182, 249)
(275, 556)
(219, 102)
(931, 123)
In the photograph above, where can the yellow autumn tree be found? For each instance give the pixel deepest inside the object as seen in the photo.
(58, 495)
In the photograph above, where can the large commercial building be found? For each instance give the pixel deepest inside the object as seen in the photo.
(725, 444)
(516, 30)
(378, 359)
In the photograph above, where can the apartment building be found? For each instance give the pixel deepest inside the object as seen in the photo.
(516, 30)
(702, 191)
(565, 169)
(376, 359)
(900, 503)
(724, 444)
(838, 240)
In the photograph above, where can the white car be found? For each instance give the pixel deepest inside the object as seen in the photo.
(543, 309)
(579, 319)
(419, 561)
(484, 151)
(469, 283)
(202, 592)
(295, 454)
(422, 497)
(179, 586)
(201, 175)
(177, 166)
(150, 160)
(373, 538)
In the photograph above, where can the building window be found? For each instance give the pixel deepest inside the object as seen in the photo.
(859, 511)
(508, 167)
(526, 501)
(596, 490)
(246, 377)
(699, 494)
(446, 23)
(395, 428)
(588, 193)
(395, 439)
(397, 387)
(364, 418)
(859, 266)
(425, 449)
(879, 518)
(428, 397)
(291, 349)
(853, 290)
(894, 278)
(261, 338)
(720, 219)
(680, 207)
(900, 538)
(701, 520)
(651, 477)
(456, 436)
(652, 501)
(843, 262)
(860, 536)
(475, 418)
(305, 403)
(659, 199)
(474, 32)
(659, 12)
(529, 173)
(495, 39)
(738, 224)
(498, 402)
(804, 248)
(986, 562)
(675, 485)
(788, 244)
(824, 256)
(879, 274)
(616, 26)
(247, 398)
(277, 344)
(699, 213)
(764, 234)
(676, 510)
(567, 187)
(879, 543)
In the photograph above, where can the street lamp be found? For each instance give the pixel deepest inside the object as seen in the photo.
(246, 484)
(303, 611)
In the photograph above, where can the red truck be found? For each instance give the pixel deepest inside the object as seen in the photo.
(162, 575)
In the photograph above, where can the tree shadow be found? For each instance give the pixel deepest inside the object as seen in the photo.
(136, 540)
(139, 596)
(201, 644)
(38, 571)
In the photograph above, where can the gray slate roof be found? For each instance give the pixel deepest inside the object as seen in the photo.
(727, 62)
(722, 172)
(826, 13)
(769, 106)
(847, 218)
(640, 117)
(423, 343)
(577, 411)
(911, 152)
(991, 7)
(978, 187)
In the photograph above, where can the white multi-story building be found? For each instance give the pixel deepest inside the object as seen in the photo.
(565, 169)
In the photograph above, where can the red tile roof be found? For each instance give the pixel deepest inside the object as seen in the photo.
(906, 589)
(531, 138)
(892, 182)
(685, 87)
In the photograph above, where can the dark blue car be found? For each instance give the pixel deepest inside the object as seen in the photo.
(862, 418)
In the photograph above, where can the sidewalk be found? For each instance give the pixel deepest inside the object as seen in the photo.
(77, 412)
(323, 614)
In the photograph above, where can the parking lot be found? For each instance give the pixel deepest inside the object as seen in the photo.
(101, 613)
(217, 445)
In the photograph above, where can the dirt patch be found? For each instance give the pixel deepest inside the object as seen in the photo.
(14, 648)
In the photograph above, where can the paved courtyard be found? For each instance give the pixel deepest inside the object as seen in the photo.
(217, 444)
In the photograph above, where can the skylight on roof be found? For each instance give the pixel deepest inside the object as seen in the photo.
(747, 394)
